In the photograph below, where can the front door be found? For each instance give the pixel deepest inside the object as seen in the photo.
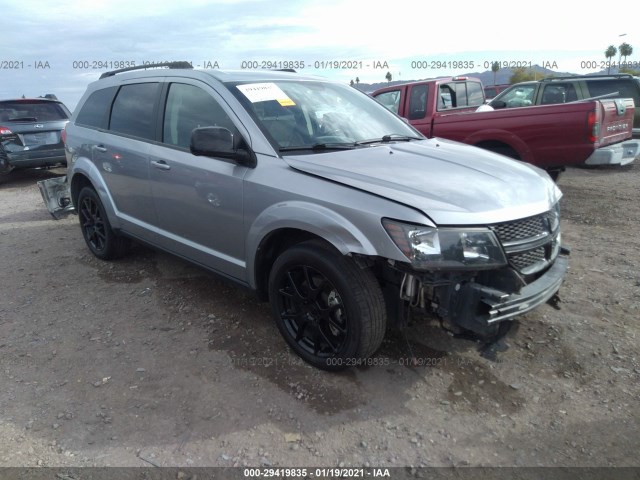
(198, 199)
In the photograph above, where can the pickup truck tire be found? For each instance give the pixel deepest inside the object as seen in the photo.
(103, 242)
(329, 310)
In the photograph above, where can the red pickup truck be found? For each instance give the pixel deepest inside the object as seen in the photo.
(549, 136)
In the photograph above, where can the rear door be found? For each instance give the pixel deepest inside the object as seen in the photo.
(122, 155)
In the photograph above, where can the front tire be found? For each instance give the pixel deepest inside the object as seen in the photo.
(329, 310)
(103, 242)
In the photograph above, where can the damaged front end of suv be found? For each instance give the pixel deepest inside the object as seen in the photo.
(476, 278)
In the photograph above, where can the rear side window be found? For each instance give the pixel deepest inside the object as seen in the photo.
(94, 111)
(132, 112)
(475, 94)
(562, 93)
(31, 111)
(622, 88)
(460, 94)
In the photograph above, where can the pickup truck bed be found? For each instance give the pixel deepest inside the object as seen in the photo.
(548, 136)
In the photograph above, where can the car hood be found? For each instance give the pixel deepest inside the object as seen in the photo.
(451, 183)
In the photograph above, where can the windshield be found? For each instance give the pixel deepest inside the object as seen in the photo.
(318, 115)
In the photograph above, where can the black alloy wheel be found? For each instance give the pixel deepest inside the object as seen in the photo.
(103, 242)
(313, 312)
(329, 310)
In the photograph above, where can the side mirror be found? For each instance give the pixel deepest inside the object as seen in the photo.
(498, 104)
(220, 142)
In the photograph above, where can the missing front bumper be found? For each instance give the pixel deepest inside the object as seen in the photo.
(481, 308)
(57, 196)
(504, 306)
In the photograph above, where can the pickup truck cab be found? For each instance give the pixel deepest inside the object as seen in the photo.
(570, 89)
(550, 136)
(314, 196)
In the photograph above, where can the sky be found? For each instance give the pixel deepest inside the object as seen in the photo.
(61, 46)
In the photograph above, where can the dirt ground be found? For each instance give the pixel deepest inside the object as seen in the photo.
(150, 361)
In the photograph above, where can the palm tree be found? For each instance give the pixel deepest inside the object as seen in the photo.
(388, 76)
(610, 52)
(495, 66)
(625, 51)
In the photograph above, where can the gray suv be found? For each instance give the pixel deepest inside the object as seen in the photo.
(316, 197)
(30, 133)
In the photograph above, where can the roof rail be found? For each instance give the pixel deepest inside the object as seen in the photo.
(613, 75)
(144, 67)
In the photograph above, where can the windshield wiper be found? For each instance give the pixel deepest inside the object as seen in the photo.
(320, 146)
(394, 137)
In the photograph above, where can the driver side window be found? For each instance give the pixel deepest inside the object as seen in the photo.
(391, 100)
(189, 107)
(520, 96)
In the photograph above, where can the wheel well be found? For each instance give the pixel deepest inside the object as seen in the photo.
(77, 184)
(499, 147)
(270, 248)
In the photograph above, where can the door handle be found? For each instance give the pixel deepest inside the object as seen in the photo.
(161, 164)
(100, 148)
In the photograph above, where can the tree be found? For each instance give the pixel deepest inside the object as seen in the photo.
(495, 66)
(388, 76)
(358, 78)
(522, 74)
(625, 51)
(610, 52)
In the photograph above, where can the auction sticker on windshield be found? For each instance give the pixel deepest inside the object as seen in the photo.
(263, 92)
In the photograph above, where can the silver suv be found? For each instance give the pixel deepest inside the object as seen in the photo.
(316, 197)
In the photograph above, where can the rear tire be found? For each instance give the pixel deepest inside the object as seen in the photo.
(329, 310)
(103, 242)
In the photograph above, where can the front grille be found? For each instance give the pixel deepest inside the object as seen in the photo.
(524, 260)
(530, 243)
(521, 229)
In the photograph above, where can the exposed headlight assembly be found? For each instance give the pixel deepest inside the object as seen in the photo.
(430, 248)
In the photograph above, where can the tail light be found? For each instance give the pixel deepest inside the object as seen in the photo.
(593, 125)
(5, 131)
(63, 135)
